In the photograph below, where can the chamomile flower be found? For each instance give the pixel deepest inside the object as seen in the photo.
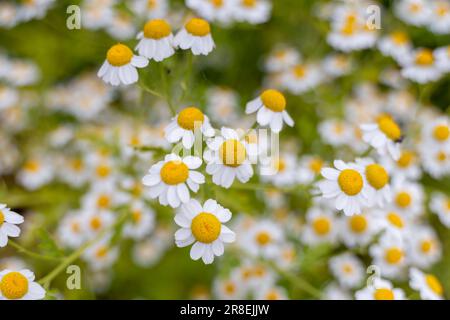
(227, 158)
(121, 26)
(309, 168)
(405, 167)
(437, 133)
(428, 285)
(440, 205)
(347, 269)
(35, 173)
(282, 59)
(271, 293)
(8, 97)
(185, 124)
(71, 230)
(421, 66)
(196, 36)
(390, 220)
(407, 198)
(150, 9)
(142, 221)
(8, 15)
(390, 254)
(223, 105)
(120, 66)
(346, 184)
(321, 227)
(103, 197)
(283, 170)
(148, 252)
(203, 226)
(35, 9)
(335, 132)
(221, 11)
(167, 179)
(263, 239)
(101, 255)
(270, 107)
(436, 161)
(358, 229)
(230, 287)
(384, 135)
(396, 45)
(377, 177)
(20, 285)
(156, 40)
(301, 78)
(439, 21)
(443, 58)
(380, 289)
(8, 224)
(94, 222)
(415, 12)
(336, 65)
(424, 246)
(252, 11)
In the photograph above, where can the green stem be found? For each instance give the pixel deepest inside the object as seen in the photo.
(31, 254)
(167, 91)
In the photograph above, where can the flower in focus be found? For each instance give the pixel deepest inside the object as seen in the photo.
(8, 222)
(196, 35)
(19, 285)
(156, 40)
(380, 290)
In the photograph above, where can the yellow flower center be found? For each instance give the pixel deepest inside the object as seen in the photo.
(426, 246)
(415, 7)
(136, 216)
(395, 220)
(350, 182)
(383, 294)
(190, 118)
(405, 160)
(32, 166)
(322, 226)
(14, 285)
(272, 295)
(157, 29)
(434, 284)
(399, 37)
(263, 238)
(77, 164)
(230, 287)
(389, 127)
(376, 176)
(441, 156)
(217, 3)
(441, 132)
(299, 71)
(347, 268)
(151, 4)
(198, 27)
(174, 172)
(349, 28)
(206, 227)
(358, 223)
(248, 3)
(103, 170)
(393, 255)
(232, 153)
(280, 165)
(119, 55)
(103, 201)
(75, 226)
(403, 199)
(96, 223)
(442, 10)
(101, 252)
(448, 204)
(424, 57)
(273, 100)
(316, 165)
(2, 218)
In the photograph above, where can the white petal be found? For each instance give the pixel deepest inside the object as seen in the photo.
(197, 250)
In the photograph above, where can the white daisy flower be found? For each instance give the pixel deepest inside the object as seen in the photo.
(335, 132)
(94, 222)
(167, 179)
(148, 252)
(428, 285)
(415, 12)
(347, 269)
(263, 238)
(35, 173)
(385, 136)
(203, 226)
(439, 21)
(283, 169)
(424, 246)
(156, 40)
(74, 171)
(252, 11)
(184, 125)
(336, 65)
(97, 14)
(301, 78)
(35, 9)
(377, 177)
(309, 169)
(8, 15)
(390, 255)
(380, 290)
(230, 287)
(443, 58)
(440, 205)
(142, 221)
(271, 105)
(19, 285)
(150, 9)
(103, 197)
(227, 158)
(358, 229)
(396, 45)
(9, 97)
(346, 184)
(120, 66)
(221, 11)
(437, 133)
(405, 167)
(391, 220)
(436, 161)
(101, 255)
(8, 221)
(121, 26)
(223, 105)
(408, 198)
(271, 293)
(321, 227)
(282, 59)
(421, 66)
(195, 35)
(71, 230)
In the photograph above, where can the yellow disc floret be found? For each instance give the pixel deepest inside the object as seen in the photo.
(206, 227)
(358, 223)
(350, 181)
(393, 255)
(424, 57)
(198, 27)
(119, 55)
(441, 132)
(377, 176)
(403, 199)
(157, 29)
(14, 285)
(405, 160)
(399, 37)
(383, 294)
(190, 118)
(434, 284)
(2, 218)
(232, 153)
(273, 100)
(395, 220)
(248, 3)
(174, 172)
(263, 238)
(322, 226)
(389, 127)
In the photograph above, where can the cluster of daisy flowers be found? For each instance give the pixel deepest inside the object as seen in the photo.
(13, 13)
